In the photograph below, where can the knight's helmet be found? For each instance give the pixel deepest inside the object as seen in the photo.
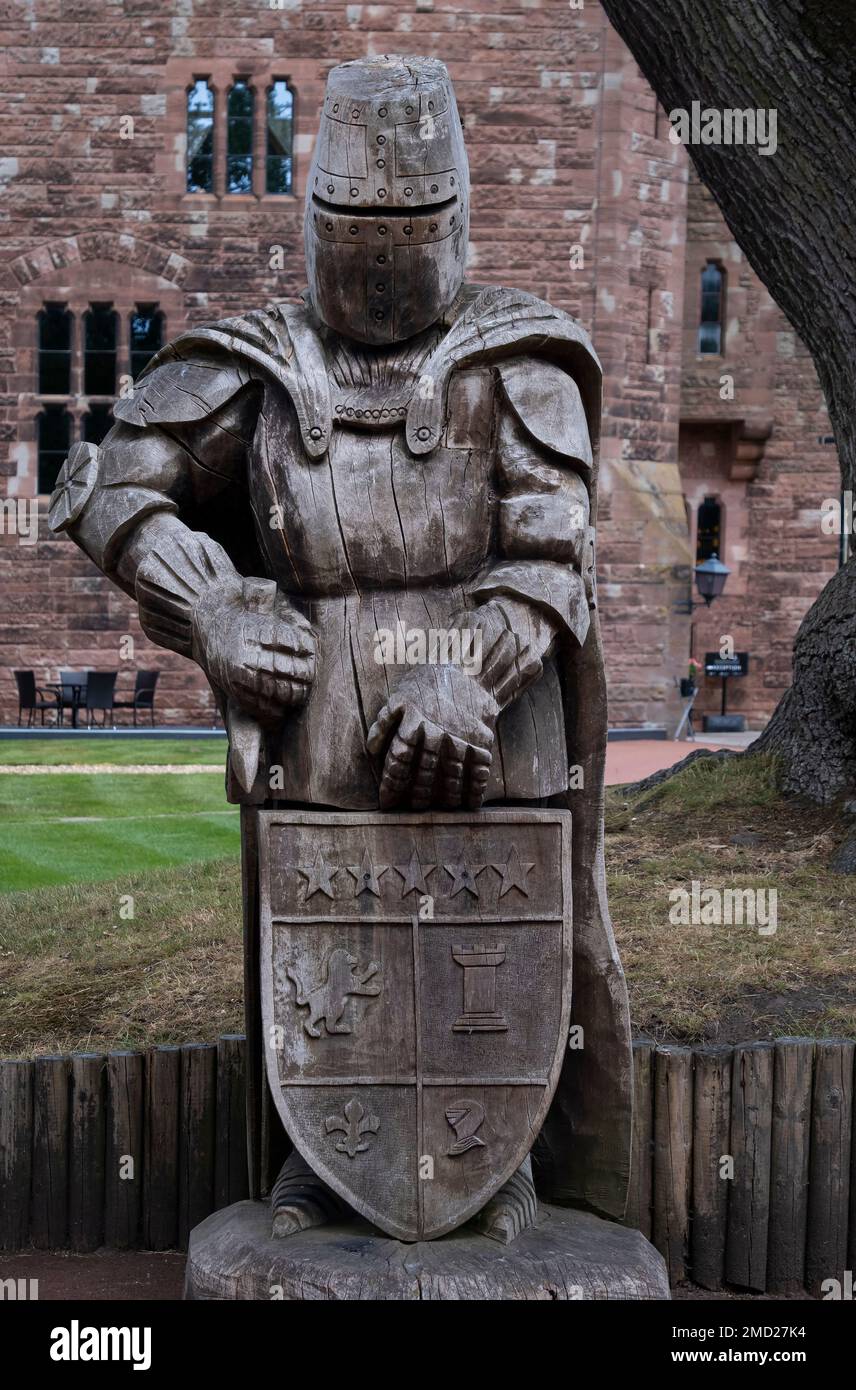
(387, 203)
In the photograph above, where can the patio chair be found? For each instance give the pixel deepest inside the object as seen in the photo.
(144, 695)
(99, 695)
(34, 699)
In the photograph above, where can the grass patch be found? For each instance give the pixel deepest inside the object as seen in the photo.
(86, 827)
(723, 824)
(74, 974)
(56, 752)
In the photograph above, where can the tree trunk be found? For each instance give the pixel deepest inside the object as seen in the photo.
(793, 214)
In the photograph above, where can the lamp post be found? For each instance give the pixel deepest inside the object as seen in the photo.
(710, 577)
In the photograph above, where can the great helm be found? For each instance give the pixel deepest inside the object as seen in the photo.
(387, 203)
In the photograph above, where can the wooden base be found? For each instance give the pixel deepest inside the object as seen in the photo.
(568, 1255)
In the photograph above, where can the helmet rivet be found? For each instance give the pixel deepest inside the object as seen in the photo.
(452, 182)
(408, 191)
(423, 433)
(381, 231)
(408, 231)
(381, 164)
(381, 139)
(381, 193)
(382, 111)
(353, 230)
(408, 110)
(336, 107)
(329, 226)
(381, 288)
(315, 432)
(355, 192)
(435, 188)
(379, 315)
(430, 106)
(331, 188)
(433, 226)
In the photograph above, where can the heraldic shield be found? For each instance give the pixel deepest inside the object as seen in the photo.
(416, 995)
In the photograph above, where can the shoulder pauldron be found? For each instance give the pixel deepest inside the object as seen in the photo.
(547, 402)
(205, 367)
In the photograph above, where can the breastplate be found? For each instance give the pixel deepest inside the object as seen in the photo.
(370, 515)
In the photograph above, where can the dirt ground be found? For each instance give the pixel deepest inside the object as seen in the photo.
(141, 1275)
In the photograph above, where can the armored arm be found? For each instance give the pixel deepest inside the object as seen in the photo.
(176, 454)
(535, 590)
(439, 722)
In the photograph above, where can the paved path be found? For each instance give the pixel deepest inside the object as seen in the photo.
(629, 760)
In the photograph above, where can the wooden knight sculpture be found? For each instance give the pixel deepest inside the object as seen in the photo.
(369, 517)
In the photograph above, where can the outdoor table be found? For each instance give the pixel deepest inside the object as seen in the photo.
(78, 696)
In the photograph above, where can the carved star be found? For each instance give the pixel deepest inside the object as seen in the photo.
(414, 875)
(366, 876)
(514, 873)
(465, 876)
(318, 875)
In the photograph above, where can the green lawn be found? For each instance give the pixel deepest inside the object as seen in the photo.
(54, 752)
(75, 973)
(86, 827)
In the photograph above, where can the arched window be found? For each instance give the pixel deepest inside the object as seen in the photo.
(709, 530)
(712, 308)
(96, 423)
(239, 138)
(99, 350)
(54, 350)
(54, 433)
(280, 137)
(146, 336)
(200, 137)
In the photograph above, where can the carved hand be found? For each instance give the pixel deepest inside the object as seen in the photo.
(441, 722)
(265, 661)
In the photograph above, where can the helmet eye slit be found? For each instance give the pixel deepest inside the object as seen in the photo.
(369, 213)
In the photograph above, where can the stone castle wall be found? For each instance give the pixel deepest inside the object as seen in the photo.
(578, 197)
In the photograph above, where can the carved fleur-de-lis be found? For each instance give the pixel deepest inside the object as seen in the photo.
(355, 1125)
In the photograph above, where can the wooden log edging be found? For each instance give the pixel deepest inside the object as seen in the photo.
(744, 1161)
(771, 1198)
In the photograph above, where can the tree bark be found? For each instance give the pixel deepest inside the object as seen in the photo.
(793, 215)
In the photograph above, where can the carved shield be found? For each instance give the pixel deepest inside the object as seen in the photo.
(416, 988)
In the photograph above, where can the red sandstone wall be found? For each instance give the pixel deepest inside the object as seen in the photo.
(564, 149)
(59, 612)
(92, 213)
(772, 489)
